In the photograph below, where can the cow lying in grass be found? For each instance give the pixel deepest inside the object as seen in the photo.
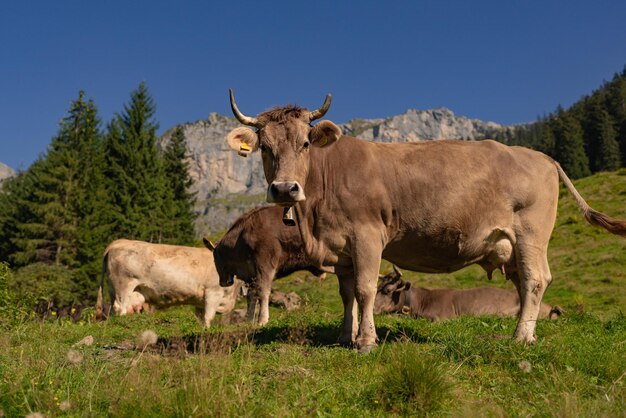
(259, 248)
(397, 295)
(163, 275)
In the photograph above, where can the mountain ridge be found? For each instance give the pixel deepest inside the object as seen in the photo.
(5, 172)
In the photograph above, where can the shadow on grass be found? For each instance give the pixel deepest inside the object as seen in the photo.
(313, 335)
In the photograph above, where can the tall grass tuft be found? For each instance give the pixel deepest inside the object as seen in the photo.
(413, 382)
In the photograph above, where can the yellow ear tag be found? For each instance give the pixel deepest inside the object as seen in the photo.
(244, 149)
(323, 142)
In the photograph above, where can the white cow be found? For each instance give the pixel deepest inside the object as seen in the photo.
(164, 275)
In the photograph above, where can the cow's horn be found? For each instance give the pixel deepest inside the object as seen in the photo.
(246, 120)
(316, 114)
(397, 270)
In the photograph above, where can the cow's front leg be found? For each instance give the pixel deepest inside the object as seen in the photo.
(264, 288)
(252, 297)
(264, 304)
(350, 314)
(366, 259)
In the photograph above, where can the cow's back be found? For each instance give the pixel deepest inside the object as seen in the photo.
(486, 301)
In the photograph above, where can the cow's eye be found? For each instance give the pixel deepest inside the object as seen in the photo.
(263, 147)
(306, 145)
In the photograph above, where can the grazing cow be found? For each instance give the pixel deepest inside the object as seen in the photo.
(163, 275)
(429, 206)
(257, 249)
(397, 295)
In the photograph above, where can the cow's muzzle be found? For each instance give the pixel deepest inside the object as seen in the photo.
(285, 193)
(228, 281)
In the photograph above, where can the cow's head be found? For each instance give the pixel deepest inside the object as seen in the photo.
(285, 137)
(388, 296)
(229, 265)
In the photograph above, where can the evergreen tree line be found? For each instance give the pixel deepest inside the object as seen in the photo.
(93, 186)
(588, 137)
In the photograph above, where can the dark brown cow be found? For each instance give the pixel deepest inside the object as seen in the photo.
(259, 248)
(397, 295)
(431, 206)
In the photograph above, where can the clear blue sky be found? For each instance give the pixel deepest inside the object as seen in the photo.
(503, 61)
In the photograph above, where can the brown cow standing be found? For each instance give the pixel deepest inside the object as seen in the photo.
(397, 295)
(432, 206)
(257, 249)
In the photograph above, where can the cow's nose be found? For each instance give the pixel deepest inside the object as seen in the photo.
(285, 192)
(285, 188)
(227, 281)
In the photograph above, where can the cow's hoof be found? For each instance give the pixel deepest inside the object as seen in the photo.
(366, 349)
(527, 339)
(345, 342)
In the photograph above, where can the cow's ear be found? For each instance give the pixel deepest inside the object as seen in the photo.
(324, 134)
(407, 286)
(243, 140)
(207, 243)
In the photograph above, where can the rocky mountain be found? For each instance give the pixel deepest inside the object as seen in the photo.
(416, 125)
(227, 185)
(5, 172)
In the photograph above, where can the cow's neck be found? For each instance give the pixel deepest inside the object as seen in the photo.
(407, 302)
(317, 191)
(415, 300)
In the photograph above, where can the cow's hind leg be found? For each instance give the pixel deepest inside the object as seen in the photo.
(533, 225)
(534, 277)
(124, 297)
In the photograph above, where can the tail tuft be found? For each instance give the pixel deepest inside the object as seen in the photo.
(614, 226)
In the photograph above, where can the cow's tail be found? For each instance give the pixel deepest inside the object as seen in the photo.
(99, 301)
(614, 226)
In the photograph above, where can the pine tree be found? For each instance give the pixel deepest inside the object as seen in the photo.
(135, 174)
(616, 106)
(605, 153)
(49, 232)
(181, 215)
(546, 141)
(12, 192)
(568, 144)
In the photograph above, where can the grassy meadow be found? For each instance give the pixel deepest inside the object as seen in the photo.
(292, 366)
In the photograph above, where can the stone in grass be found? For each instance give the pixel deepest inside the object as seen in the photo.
(74, 357)
(88, 340)
(525, 366)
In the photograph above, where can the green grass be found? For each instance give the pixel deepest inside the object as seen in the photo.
(292, 366)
